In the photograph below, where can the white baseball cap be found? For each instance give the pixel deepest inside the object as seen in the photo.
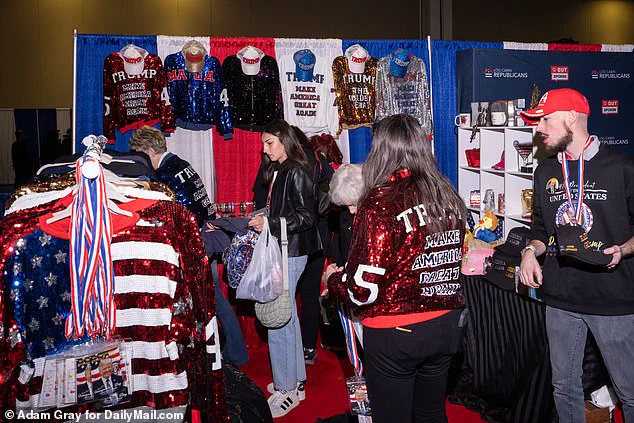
(250, 60)
(357, 56)
(133, 58)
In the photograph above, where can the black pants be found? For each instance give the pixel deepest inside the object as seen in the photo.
(406, 372)
(308, 288)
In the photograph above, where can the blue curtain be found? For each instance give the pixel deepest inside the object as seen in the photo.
(26, 120)
(361, 139)
(445, 109)
(47, 120)
(91, 52)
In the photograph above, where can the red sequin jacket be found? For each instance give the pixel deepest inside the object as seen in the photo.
(396, 265)
(133, 101)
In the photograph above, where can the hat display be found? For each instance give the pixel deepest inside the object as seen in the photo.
(399, 61)
(357, 56)
(562, 99)
(304, 65)
(133, 58)
(573, 242)
(516, 240)
(194, 53)
(506, 257)
(250, 60)
(502, 270)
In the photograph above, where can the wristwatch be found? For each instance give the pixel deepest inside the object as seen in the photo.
(529, 247)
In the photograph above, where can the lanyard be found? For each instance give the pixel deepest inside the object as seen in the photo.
(581, 167)
(351, 340)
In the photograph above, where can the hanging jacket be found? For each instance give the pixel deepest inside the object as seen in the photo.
(199, 99)
(134, 101)
(254, 100)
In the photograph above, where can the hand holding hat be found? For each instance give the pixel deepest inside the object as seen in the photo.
(617, 255)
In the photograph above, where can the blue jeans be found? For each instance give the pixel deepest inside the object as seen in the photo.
(285, 344)
(235, 349)
(567, 333)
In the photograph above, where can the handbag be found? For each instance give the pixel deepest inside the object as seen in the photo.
(238, 256)
(277, 313)
(473, 157)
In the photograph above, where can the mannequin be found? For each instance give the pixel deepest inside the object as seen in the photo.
(194, 54)
(250, 60)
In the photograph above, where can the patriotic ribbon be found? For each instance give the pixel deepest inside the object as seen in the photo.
(351, 339)
(581, 167)
(91, 268)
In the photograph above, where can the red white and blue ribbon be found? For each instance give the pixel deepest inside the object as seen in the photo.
(91, 269)
(351, 339)
(581, 167)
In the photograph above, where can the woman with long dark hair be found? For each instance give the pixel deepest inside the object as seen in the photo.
(403, 274)
(291, 195)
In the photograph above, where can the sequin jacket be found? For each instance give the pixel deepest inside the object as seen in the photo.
(395, 265)
(133, 101)
(254, 100)
(190, 191)
(159, 278)
(409, 95)
(199, 99)
(355, 93)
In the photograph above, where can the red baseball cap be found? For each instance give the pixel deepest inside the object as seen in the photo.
(562, 99)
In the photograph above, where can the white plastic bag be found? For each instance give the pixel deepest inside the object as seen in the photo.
(263, 280)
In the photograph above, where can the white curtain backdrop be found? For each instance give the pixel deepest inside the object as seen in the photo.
(63, 121)
(194, 146)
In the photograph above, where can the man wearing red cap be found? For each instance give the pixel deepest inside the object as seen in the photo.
(588, 189)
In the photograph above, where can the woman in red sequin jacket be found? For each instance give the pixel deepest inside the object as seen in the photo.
(403, 274)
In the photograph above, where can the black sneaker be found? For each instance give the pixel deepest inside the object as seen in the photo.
(309, 355)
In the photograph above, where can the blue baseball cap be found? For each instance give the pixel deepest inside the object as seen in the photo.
(399, 61)
(304, 65)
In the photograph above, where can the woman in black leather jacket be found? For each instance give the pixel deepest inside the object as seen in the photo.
(292, 195)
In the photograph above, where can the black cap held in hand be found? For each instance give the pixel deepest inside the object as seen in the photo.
(573, 242)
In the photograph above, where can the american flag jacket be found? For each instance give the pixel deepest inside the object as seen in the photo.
(165, 310)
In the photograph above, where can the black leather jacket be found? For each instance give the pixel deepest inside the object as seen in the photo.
(293, 197)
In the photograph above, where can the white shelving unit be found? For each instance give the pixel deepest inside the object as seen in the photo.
(495, 142)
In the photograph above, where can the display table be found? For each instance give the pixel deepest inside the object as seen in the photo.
(506, 374)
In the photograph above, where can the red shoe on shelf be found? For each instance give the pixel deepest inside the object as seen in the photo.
(499, 165)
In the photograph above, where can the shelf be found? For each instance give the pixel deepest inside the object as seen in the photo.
(474, 169)
(497, 172)
(518, 217)
(470, 128)
(523, 174)
(474, 209)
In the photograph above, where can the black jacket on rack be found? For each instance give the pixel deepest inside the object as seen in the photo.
(293, 197)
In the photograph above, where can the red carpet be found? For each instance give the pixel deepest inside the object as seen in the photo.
(326, 393)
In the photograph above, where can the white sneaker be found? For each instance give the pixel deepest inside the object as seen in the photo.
(281, 402)
(301, 393)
